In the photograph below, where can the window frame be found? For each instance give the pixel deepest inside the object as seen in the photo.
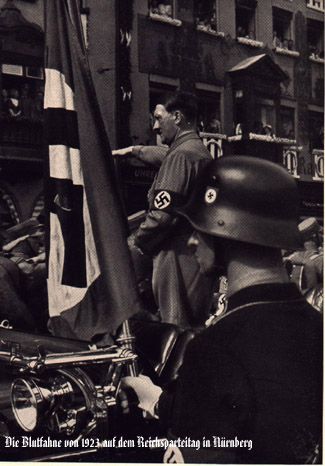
(310, 4)
(204, 28)
(253, 21)
(162, 18)
(288, 108)
(208, 96)
(318, 28)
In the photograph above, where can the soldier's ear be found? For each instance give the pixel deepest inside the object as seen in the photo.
(178, 116)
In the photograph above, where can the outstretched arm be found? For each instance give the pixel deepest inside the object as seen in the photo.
(153, 155)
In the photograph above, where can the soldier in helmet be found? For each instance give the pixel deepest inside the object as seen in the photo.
(252, 382)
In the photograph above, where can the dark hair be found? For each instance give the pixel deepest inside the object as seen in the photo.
(186, 103)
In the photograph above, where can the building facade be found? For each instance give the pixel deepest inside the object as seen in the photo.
(257, 67)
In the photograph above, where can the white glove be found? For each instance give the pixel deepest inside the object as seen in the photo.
(147, 392)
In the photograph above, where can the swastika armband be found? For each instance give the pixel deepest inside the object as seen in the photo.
(166, 200)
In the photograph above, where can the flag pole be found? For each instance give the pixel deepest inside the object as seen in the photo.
(126, 340)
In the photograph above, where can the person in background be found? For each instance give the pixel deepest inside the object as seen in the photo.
(252, 382)
(14, 108)
(37, 107)
(23, 275)
(309, 277)
(285, 44)
(276, 40)
(240, 32)
(4, 102)
(26, 102)
(214, 126)
(307, 265)
(268, 131)
(179, 285)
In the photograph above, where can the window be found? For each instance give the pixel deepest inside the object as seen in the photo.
(22, 92)
(315, 37)
(15, 70)
(163, 8)
(206, 15)
(316, 130)
(245, 19)
(318, 91)
(316, 4)
(158, 94)
(34, 72)
(287, 123)
(267, 123)
(282, 29)
(209, 116)
(265, 118)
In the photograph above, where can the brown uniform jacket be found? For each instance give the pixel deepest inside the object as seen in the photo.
(172, 186)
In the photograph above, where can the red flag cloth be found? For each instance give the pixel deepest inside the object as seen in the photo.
(91, 282)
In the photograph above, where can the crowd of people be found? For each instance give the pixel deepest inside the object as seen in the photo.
(315, 52)
(243, 32)
(23, 300)
(22, 104)
(162, 8)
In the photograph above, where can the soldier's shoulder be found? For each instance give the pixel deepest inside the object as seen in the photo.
(192, 153)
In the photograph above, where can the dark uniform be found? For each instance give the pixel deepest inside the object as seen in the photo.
(181, 291)
(255, 375)
(250, 386)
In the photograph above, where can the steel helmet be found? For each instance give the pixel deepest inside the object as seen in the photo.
(246, 199)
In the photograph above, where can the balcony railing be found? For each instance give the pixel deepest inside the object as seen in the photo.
(251, 42)
(290, 159)
(22, 132)
(264, 138)
(318, 162)
(213, 142)
(209, 30)
(287, 52)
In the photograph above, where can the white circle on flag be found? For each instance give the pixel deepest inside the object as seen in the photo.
(162, 200)
(210, 196)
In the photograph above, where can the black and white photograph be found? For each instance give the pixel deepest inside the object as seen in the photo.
(161, 231)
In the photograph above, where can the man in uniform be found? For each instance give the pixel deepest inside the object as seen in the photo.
(251, 383)
(183, 292)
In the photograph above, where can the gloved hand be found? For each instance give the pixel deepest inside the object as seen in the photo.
(147, 392)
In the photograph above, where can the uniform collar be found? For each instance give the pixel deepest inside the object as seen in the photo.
(186, 136)
(270, 292)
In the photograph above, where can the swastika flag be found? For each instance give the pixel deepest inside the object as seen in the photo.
(91, 284)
